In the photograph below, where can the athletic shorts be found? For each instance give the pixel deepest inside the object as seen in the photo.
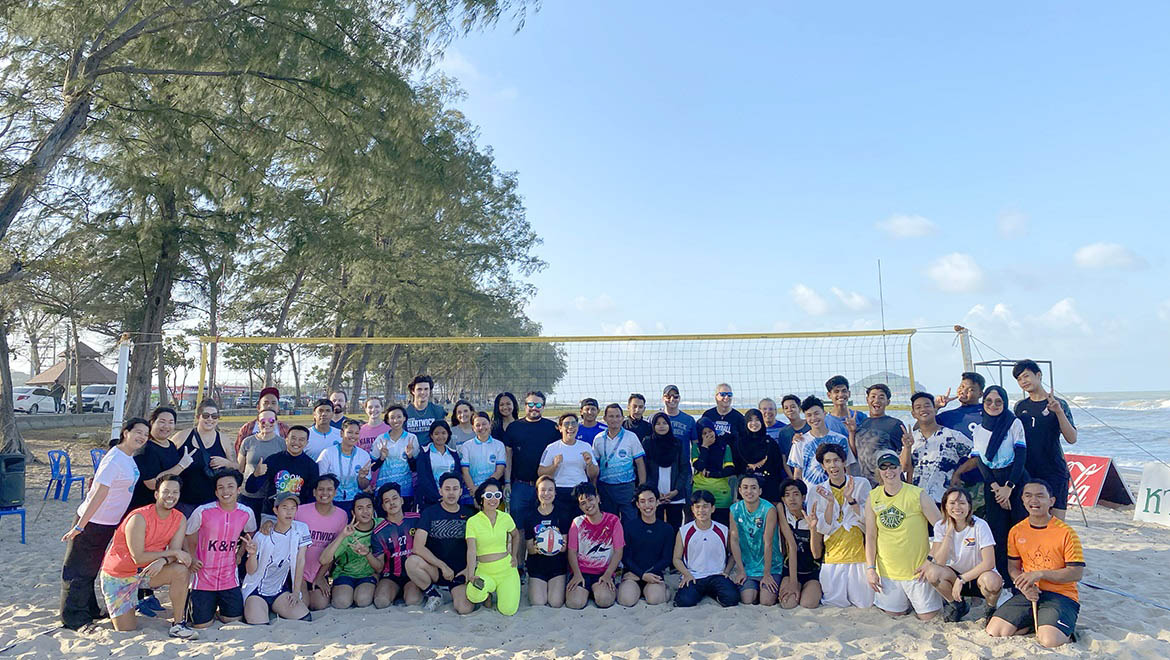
(1059, 485)
(1052, 609)
(753, 583)
(451, 584)
(971, 589)
(400, 580)
(590, 580)
(844, 585)
(804, 578)
(229, 602)
(901, 595)
(353, 582)
(547, 567)
(121, 594)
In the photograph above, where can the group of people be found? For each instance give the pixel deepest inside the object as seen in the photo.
(827, 506)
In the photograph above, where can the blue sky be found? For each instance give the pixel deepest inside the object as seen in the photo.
(744, 170)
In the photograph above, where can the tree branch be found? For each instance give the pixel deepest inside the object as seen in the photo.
(15, 272)
(231, 73)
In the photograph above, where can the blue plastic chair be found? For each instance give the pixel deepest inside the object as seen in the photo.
(96, 455)
(62, 475)
(15, 511)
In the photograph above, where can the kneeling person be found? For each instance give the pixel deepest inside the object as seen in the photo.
(276, 556)
(493, 551)
(756, 536)
(352, 554)
(649, 547)
(439, 558)
(701, 557)
(596, 543)
(213, 539)
(961, 564)
(394, 540)
(809, 545)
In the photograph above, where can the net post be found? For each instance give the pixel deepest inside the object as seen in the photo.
(910, 361)
(202, 373)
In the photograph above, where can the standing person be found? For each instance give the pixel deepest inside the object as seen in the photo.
(761, 456)
(701, 557)
(493, 551)
(322, 434)
(421, 412)
(681, 423)
(961, 564)
(340, 401)
(525, 442)
(876, 432)
(214, 533)
(434, 460)
(596, 544)
(714, 467)
(375, 425)
(349, 462)
(484, 457)
(568, 462)
(255, 448)
(287, 471)
(1002, 450)
(837, 391)
(208, 454)
(269, 400)
(1045, 419)
(589, 426)
(439, 557)
(621, 464)
(804, 459)
(325, 522)
(395, 454)
(636, 422)
(546, 530)
(936, 452)
(728, 422)
(897, 550)
(808, 549)
(279, 552)
(461, 428)
(790, 405)
(95, 523)
(354, 559)
(760, 539)
(837, 511)
(773, 425)
(159, 457)
(668, 467)
(649, 550)
(147, 551)
(1046, 563)
(504, 412)
(394, 539)
(969, 414)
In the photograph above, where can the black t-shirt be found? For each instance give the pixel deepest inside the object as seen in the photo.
(198, 486)
(152, 460)
(537, 521)
(1042, 433)
(641, 428)
(805, 563)
(296, 474)
(527, 440)
(730, 427)
(649, 548)
(787, 434)
(446, 534)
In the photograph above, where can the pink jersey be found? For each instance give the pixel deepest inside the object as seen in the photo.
(218, 537)
(322, 529)
(595, 544)
(370, 433)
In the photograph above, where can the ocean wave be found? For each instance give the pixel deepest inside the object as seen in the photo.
(1133, 404)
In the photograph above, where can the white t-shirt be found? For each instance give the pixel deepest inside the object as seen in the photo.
(119, 473)
(572, 469)
(615, 456)
(332, 461)
(704, 551)
(482, 458)
(276, 558)
(319, 442)
(966, 545)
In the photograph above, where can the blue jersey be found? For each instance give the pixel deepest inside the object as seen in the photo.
(587, 433)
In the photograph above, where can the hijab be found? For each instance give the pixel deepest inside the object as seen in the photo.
(754, 446)
(998, 425)
(663, 449)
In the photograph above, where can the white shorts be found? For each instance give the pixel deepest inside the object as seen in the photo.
(843, 585)
(898, 596)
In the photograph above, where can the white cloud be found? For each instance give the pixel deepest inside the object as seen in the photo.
(852, 299)
(1064, 316)
(999, 315)
(808, 300)
(1061, 319)
(907, 226)
(623, 329)
(1108, 255)
(956, 273)
(601, 304)
(457, 66)
(1012, 224)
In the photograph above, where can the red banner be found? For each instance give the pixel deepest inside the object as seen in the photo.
(1086, 478)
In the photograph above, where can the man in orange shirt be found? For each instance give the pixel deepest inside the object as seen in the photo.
(1045, 561)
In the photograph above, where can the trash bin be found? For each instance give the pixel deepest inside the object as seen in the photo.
(11, 480)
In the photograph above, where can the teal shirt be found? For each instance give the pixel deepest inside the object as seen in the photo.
(750, 527)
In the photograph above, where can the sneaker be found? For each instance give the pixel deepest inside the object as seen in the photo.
(434, 599)
(152, 603)
(987, 615)
(961, 609)
(183, 631)
(146, 610)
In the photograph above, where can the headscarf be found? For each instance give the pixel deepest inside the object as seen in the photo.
(753, 448)
(999, 425)
(663, 449)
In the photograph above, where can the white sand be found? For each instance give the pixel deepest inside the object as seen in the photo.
(1120, 554)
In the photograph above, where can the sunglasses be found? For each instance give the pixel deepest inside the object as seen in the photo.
(888, 466)
(494, 495)
(725, 395)
(209, 415)
(534, 404)
(670, 396)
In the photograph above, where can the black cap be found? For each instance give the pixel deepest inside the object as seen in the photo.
(670, 388)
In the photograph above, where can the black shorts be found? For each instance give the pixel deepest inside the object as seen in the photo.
(451, 584)
(802, 578)
(1052, 609)
(353, 582)
(1059, 485)
(547, 567)
(400, 580)
(229, 602)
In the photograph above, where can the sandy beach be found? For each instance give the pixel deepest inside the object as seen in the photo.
(1120, 554)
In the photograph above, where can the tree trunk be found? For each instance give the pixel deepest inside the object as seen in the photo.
(162, 377)
(75, 349)
(13, 442)
(390, 370)
(292, 360)
(282, 324)
(359, 375)
(158, 298)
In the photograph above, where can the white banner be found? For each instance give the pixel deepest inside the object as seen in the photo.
(1153, 496)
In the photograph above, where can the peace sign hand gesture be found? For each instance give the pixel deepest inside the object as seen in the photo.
(187, 457)
(942, 400)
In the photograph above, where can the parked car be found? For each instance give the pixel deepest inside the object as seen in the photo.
(95, 398)
(33, 400)
(287, 403)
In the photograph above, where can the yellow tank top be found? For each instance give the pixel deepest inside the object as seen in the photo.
(844, 546)
(902, 543)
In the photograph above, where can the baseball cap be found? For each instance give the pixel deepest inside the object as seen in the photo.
(670, 388)
(269, 390)
(885, 456)
(282, 496)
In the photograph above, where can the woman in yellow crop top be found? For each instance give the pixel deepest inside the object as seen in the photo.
(493, 547)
